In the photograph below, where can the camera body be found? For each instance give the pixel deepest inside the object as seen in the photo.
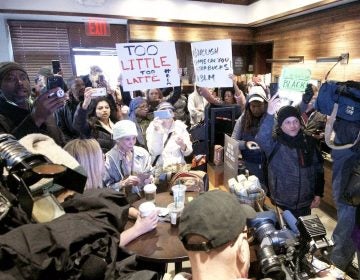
(284, 253)
(56, 82)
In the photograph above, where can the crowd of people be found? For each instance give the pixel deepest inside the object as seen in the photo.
(120, 139)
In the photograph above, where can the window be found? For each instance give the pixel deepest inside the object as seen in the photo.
(35, 44)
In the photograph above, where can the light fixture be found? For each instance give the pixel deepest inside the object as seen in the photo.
(343, 58)
(291, 59)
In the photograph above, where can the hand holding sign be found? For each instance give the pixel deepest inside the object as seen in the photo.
(293, 82)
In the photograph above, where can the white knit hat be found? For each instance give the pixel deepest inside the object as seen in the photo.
(124, 128)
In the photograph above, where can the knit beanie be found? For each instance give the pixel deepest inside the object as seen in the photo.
(287, 111)
(6, 67)
(124, 128)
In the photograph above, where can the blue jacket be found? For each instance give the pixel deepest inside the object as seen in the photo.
(290, 185)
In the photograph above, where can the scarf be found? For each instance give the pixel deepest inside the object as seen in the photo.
(301, 142)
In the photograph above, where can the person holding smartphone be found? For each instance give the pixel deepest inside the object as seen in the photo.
(168, 140)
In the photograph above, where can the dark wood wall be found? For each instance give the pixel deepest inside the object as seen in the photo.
(327, 33)
(157, 31)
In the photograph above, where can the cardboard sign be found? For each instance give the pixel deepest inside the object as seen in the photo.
(294, 78)
(231, 159)
(148, 65)
(212, 62)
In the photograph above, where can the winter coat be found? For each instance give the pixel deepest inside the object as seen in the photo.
(172, 153)
(97, 132)
(290, 185)
(113, 166)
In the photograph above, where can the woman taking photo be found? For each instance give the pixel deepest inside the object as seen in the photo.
(93, 119)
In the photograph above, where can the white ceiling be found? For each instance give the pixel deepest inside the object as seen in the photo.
(119, 11)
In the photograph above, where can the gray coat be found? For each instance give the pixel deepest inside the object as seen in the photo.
(114, 172)
(290, 185)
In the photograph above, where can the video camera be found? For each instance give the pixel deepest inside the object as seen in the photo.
(33, 179)
(287, 251)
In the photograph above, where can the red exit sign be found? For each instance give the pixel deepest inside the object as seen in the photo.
(96, 27)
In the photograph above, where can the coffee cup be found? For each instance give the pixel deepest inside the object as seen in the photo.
(146, 208)
(150, 192)
(179, 195)
(174, 213)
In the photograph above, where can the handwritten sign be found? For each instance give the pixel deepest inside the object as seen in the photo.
(294, 78)
(148, 65)
(212, 63)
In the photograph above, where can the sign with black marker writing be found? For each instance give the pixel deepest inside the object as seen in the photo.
(148, 65)
(212, 63)
(292, 84)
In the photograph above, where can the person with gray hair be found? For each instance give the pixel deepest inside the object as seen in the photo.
(127, 166)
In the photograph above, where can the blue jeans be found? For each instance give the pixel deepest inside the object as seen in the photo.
(344, 249)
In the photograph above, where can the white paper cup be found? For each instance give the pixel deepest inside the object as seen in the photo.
(150, 192)
(146, 208)
(179, 195)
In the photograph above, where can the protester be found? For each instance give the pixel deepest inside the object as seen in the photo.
(139, 114)
(296, 175)
(92, 119)
(167, 139)
(17, 115)
(245, 130)
(65, 115)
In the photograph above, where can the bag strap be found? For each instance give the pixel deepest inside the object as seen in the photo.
(330, 134)
(166, 141)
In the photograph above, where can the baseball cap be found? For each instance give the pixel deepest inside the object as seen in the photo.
(257, 93)
(215, 215)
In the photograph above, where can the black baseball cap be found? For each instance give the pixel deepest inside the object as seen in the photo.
(215, 215)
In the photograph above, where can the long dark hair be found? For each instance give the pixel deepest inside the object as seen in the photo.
(250, 123)
(92, 118)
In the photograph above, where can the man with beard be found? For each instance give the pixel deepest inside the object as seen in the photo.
(65, 115)
(17, 115)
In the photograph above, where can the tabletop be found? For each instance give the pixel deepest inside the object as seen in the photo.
(161, 244)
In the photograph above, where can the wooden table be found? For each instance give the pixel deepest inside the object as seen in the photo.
(161, 244)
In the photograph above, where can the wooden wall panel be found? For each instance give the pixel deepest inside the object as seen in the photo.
(155, 31)
(326, 33)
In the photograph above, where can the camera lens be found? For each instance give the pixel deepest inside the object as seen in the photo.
(269, 261)
(60, 93)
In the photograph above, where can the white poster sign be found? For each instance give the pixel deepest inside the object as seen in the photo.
(212, 63)
(148, 65)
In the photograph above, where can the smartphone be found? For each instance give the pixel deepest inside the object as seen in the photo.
(98, 92)
(101, 79)
(54, 82)
(163, 114)
(56, 68)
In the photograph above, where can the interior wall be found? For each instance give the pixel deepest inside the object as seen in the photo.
(157, 31)
(321, 34)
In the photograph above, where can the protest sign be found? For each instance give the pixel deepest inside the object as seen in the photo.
(293, 82)
(212, 62)
(294, 78)
(148, 65)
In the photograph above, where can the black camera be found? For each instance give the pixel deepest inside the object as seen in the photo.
(286, 252)
(56, 82)
(33, 179)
